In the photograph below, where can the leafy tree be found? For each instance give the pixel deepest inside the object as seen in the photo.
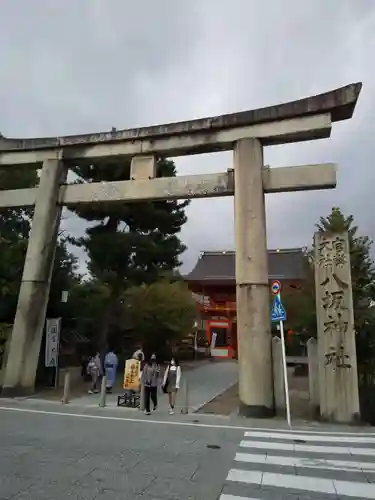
(64, 277)
(362, 269)
(302, 315)
(83, 311)
(15, 226)
(160, 313)
(299, 301)
(14, 233)
(129, 243)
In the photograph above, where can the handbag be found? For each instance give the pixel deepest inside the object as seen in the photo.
(165, 387)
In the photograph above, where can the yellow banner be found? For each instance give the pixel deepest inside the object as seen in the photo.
(132, 373)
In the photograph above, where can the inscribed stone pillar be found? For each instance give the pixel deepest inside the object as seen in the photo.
(34, 292)
(313, 375)
(338, 379)
(252, 290)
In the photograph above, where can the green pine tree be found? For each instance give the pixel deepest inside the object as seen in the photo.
(362, 268)
(129, 243)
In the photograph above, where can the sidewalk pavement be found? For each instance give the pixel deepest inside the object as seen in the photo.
(205, 382)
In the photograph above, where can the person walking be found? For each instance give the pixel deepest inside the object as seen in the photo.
(150, 380)
(171, 382)
(84, 363)
(94, 370)
(110, 368)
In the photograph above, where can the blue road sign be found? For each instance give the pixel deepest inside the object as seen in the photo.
(278, 312)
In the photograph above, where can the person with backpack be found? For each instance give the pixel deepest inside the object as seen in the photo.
(150, 381)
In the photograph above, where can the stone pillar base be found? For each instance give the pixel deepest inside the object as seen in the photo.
(251, 411)
(16, 392)
(354, 420)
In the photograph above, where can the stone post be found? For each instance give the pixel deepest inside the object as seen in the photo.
(313, 374)
(103, 392)
(338, 378)
(278, 375)
(66, 394)
(34, 292)
(253, 320)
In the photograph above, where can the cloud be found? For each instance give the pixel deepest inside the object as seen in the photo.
(72, 67)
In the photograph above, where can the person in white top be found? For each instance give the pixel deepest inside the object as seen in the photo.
(171, 382)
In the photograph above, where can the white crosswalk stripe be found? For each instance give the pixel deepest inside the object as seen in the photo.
(276, 463)
(318, 463)
(310, 448)
(292, 436)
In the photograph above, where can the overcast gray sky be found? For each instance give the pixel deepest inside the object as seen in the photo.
(87, 65)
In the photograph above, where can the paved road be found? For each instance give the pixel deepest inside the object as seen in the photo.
(51, 452)
(64, 457)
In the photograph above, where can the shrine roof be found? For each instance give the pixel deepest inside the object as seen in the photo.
(283, 264)
(340, 103)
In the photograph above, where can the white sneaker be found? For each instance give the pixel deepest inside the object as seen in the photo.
(90, 392)
(171, 412)
(147, 412)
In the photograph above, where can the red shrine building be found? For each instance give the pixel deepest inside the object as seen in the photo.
(212, 282)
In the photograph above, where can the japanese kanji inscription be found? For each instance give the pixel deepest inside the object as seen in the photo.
(336, 340)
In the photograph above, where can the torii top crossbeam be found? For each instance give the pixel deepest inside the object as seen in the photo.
(203, 135)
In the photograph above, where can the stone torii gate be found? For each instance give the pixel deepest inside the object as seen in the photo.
(246, 133)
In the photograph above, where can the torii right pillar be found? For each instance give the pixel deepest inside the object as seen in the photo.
(252, 289)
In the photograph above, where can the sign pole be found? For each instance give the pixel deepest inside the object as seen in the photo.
(278, 314)
(64, 299)
(57, 372)
(285, 370)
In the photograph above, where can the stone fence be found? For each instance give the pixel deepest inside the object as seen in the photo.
(311, 360)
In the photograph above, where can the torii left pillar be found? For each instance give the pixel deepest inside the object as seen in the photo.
(252, 289)
(33, 297)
